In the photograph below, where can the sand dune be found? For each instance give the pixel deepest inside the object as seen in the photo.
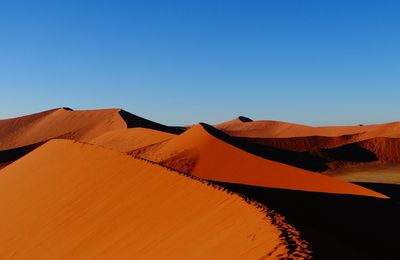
(125, 140)
(79, 125)
(113, 128)
(274, 129)
(82, 125)
(244, 127)
(76, 201)
(339, 147)
(205, 156)
(87, 199)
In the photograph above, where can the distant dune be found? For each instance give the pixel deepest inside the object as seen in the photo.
(338, 147)
(270, 128)
(71, 200)
(113, 128)
(203, 155)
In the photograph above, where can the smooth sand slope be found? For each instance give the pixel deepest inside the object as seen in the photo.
(82, 125)
(126, 140)
(112, 128)
(203, 155)
(77, 201)
(339, 147)
(271, 128)
(78, 125)
(244, 127)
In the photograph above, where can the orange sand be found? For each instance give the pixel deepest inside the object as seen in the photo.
(75, 201)
(79, 125)
(208, 157)
(383, 140)
(270, 128)
(104, 127)
(126, 140)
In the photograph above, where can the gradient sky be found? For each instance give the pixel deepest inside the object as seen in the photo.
(179, 62)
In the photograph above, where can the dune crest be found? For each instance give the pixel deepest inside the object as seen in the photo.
(208, 157)
(112, 128)
(340, 147)
(280, 129)
(72, 200)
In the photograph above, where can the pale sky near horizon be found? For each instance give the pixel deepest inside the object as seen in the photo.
(180, 62)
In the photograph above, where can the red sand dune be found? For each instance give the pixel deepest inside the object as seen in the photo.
(274, 129)
(380, 140)
(243, 127)
(208, 157)
(82, 125)
(112, 128)
(76, 201)
(79, 125)
(126, 140)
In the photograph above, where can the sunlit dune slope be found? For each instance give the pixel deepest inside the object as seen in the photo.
(202, 154)
(125, 140)
(277, 129)
(82, 125)
(113, 128)
(270, 128)
(77, 201)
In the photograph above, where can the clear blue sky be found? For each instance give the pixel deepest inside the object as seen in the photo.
(178, 62)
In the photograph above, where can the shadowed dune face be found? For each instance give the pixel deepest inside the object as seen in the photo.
(303, 143)
(212, 159)
(136, 121)
(71, 200)
(8, 156)
(337, 226)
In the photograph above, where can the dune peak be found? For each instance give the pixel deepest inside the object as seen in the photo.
(245, 119)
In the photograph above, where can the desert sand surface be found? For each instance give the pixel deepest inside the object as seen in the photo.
(78, 125)
(276, 129)
(82, 125)
(245, 127)
(111, 185)
(203, 155)
(336, 147)
(76, 201)
(113, 128)
(126, 140)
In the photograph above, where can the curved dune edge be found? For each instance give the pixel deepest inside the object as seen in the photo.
(125, 140)
(210, 158)
(111, 128)
(79, 201)
(278, 129)
(275, 129)
(339, 147)
(81, 125)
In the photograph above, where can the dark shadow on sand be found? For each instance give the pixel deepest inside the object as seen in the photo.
(7, 156)
(336, 226)
(296, 159)
(135, 121)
